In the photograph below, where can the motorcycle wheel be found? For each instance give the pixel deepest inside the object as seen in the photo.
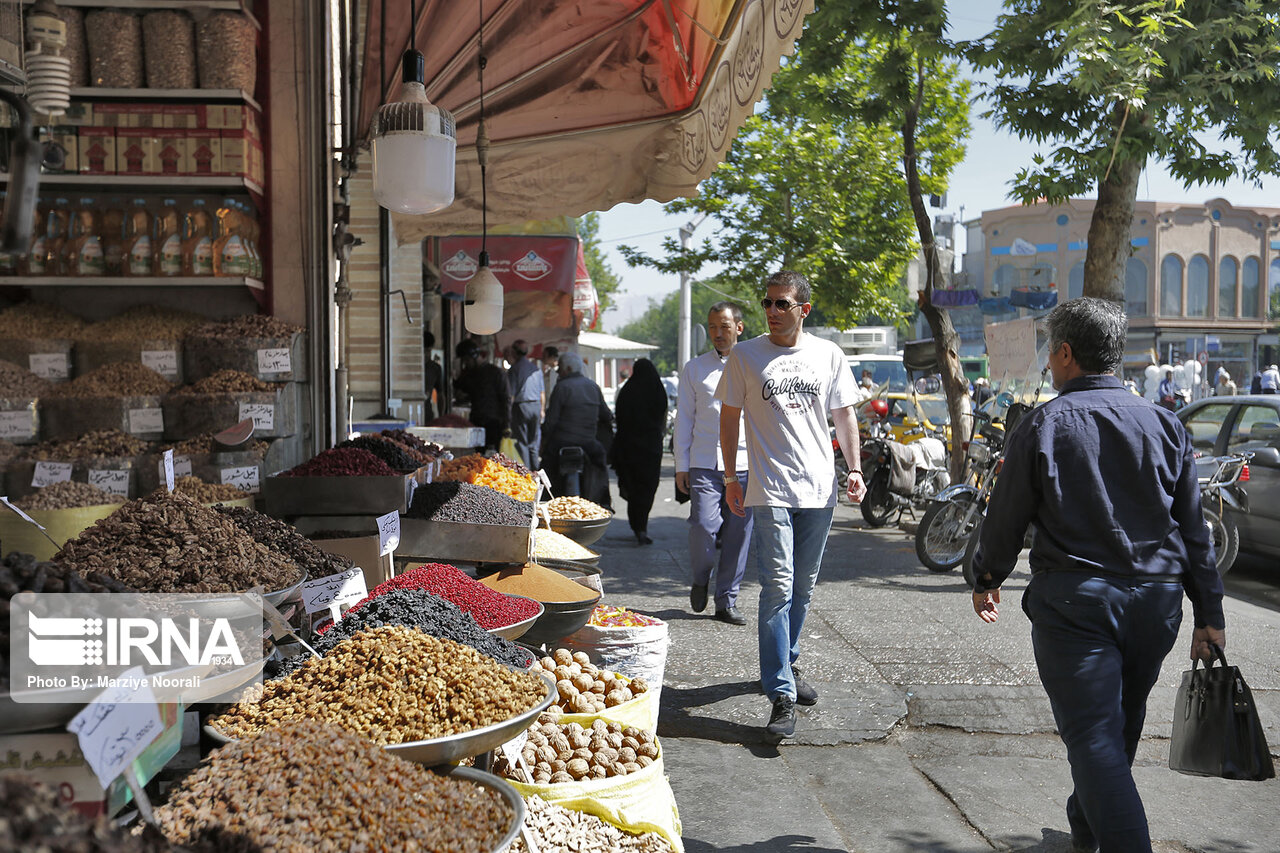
(877, 504)
(1226, 539)
(970, 548)
(943, 536)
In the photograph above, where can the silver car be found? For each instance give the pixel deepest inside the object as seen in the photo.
(1221, 425)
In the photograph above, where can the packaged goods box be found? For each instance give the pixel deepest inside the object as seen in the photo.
(242, 155)
(137, 151)
(205, 151)
(232, 117)
(68, 143)
(174, 151)
(97, 150)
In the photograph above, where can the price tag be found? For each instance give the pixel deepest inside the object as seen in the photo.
(112, 481)
(20, 424)
(166, 468)
(48, 473)
(388, 532)
(546, 483)
(117, 726)
(146, 420)
(182, 466)
(245, 479)
(263, 414)
(20, 513)
(410, 486)
(54, 365)
(162, 361)
(513, 749)
(275, 361)
(343, 588)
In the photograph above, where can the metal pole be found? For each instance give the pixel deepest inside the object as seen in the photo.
(384, 305)
(685, 347)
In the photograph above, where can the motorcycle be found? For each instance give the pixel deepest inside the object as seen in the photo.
(882, 504)
(1218, 491)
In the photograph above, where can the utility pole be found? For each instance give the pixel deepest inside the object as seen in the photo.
(684, 349)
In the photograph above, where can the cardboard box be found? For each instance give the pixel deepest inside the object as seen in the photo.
(237, 152)
(66, 139)
(363, 551)
(174, 151)
(257, 163)
(78, 114)
(206, 152)
(233, 117)
(137, 151)
(146, 115)
(115, 115)
(96, 150)
(187, 116)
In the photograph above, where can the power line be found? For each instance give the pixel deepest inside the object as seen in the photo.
(646, 234)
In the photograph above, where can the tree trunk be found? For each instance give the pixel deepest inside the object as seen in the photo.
(1109, 231)
(946, 341)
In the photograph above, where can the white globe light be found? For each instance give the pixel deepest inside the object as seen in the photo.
(414, 144)
(484, 303)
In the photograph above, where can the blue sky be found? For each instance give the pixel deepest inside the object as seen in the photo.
(979, 183)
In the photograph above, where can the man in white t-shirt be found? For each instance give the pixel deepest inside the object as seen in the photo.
(784, 384)
(697, 450)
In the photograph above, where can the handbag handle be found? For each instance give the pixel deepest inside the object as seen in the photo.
(1199, 676)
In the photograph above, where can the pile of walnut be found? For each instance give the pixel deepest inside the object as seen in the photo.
(558, 753)
(584, 688)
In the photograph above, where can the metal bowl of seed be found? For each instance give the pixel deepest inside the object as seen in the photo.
(583, 531)
(516, 630)
(500, 787)
(455, 747)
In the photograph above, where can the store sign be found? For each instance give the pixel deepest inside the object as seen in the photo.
(48, 473)
(19, 424)
(55, 365)
(113, 481)
(521, 262)
(263, 414)
(162, 361)
(275, 360)
(146, 420)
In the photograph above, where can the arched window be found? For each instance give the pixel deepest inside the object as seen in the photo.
(1075, 281)
(1198, 287)
(1249, 275)
(1041, 275)
(1135, 288)
(1228, 278)
(1006, 279)
(1171, 286)
(1273, 290)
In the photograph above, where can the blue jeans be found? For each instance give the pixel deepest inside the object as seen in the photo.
(789, 546)
(706, 515)
(1099, 643)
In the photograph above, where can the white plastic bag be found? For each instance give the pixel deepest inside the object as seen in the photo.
(634, 651)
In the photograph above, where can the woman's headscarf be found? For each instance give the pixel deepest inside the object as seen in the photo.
(644, 391)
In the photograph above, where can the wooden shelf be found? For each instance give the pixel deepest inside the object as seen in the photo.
(94, 93)
(188, 182)
(130, 281)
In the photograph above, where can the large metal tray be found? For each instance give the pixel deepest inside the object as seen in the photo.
(503, 788)
(446, 750)
(291, 496)
(474, 543)
(516, 631)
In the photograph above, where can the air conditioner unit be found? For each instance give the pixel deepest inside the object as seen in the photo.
(868, 338)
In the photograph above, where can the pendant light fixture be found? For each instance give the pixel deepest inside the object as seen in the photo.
(414, 141)
(484, 298)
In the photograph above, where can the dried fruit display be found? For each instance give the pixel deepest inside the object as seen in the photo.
(284, 539)
(491, 609)
(620, 617)
(550, 545)
(143, 323)
(35, 820)
(16, 382)
(342, 462)
(556, 829)
(100, 442)
(228, 382)
(206, 493)
(479, 471)
(395, 455)
(577, 509)
(463, 502)
(39, 320)
(67, 495)
(585, 688)
(124, 379)
(246, 326)
(556, 752)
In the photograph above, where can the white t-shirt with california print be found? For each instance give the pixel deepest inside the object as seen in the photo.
(785, 394)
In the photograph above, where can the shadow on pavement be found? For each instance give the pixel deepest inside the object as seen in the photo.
(675, 720)
(777, 844)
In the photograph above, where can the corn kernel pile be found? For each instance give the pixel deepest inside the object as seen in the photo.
(478, 471)
(620, 617)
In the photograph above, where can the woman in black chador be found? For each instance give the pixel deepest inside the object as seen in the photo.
(641, 418)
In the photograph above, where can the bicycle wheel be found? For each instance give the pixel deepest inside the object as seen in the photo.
(944, 532)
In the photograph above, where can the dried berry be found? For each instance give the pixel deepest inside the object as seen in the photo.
(342, 462)
(489, 608)
(464, 502)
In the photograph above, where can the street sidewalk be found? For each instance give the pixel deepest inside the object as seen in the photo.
(932, 732)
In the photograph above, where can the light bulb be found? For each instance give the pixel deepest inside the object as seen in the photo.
(48, 71)
(484, 302)
(414, 144)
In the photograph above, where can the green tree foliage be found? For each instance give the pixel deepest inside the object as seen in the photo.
(659, 325)
(606, 281)
(819, 190)
(1112, 85)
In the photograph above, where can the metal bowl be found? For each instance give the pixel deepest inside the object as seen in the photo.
(560, 620)
(503, 788)
(582, 531)
(455, 747)
(516, 631)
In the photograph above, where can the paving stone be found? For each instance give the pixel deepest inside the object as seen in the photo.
(1004, 709)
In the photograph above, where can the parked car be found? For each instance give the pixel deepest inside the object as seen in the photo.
(1222, 425)
(885, 370)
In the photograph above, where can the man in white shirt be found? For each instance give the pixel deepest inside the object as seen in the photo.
(784, 383)
(1271, 380)
(697, 448)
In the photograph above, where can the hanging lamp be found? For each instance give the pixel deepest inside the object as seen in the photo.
(414, 142)
(484, 298)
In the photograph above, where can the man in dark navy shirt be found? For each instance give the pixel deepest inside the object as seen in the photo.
(1109, 482)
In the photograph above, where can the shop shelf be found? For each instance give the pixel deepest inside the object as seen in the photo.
(130, 281)
(216, 5)
(165, 182)
(92, 93)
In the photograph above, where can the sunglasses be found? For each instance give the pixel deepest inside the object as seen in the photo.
(781, 304)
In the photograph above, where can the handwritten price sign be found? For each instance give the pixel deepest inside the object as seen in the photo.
(245, 479)
(112, 481)
(20, 424)
(275, 361)
(263, 414)
(117, 726)
(162, 361)
(329, 593)
(388, 532)
(48, 473)
(182, 466)
(146, 420)
(54, 365)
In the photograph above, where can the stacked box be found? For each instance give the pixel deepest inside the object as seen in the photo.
(97, 150)
(137, 151)
(174, 151)
(206, 152)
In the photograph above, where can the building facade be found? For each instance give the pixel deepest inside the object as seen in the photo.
(1201, 278)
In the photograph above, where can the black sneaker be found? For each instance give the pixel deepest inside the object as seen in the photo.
(805, 694)
(782, 722)
(698, 597)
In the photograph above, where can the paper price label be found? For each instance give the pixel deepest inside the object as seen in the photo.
(166, 469)
(54, 365)
(18, 424)
(245, 479)
(344, 588)
(263, 414)
(182, 466)
(275, 361)
(388, 532)
(512, 749)
(20, 513)
(48, 473)
(162, 361)
(111, 481)
(117, 726)
(410, 486)
(146, 420)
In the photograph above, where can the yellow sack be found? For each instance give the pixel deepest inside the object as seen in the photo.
(60, 525)
(637, 802)
(507, 447)
(641, 712)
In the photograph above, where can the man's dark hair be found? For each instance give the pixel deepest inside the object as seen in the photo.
(428, 340)
(1096, 330)
(793, 280)
(466, 348)
(550, 352)
(520, 348)
(726, 305)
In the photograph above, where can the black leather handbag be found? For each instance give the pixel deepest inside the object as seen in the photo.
(1216, 731)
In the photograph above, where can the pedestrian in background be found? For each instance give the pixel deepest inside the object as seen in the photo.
(432, 379)
(1109, 481)
(1270, 382)
(641, 417)
(698, 472)
(1255, 384)
(784, 384)
(1224, 387)
(524, 378)
(550, 371)
(577, 416)
(485, 387)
